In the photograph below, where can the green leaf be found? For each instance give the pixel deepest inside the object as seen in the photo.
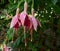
(16, 43)
(10, 33)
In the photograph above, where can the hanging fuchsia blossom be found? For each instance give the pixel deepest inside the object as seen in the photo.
(5, 48)
(25, 20)
(15, 23)
(33, 22)
(24, 16)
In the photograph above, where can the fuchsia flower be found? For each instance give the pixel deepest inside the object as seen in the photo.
(33, 23)
(15, 23)
(33, 20)
(5, 48)
(24, 17)
(25, 20)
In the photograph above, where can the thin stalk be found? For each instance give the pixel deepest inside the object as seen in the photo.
(31, 31)
(32, 4)
(19, 3)
(25, 35)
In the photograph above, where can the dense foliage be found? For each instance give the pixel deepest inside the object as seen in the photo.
(48, 35)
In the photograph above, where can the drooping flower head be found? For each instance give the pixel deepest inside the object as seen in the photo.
(25, 20)
(24, 16)
(15, 20)
(33, 20)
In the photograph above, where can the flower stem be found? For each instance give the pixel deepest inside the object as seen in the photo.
(19, 3)
(32, 3)
(25, 35)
